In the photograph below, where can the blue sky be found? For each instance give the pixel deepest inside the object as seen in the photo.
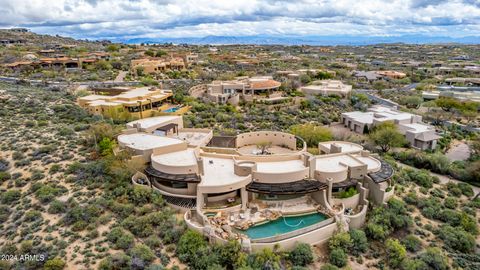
(123, 19)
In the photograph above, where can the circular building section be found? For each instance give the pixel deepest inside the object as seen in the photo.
(268, 143)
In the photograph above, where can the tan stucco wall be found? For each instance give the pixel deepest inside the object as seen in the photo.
(276, 138)
(281, 177)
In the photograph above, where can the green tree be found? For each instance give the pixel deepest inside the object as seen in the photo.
(229, 255)
(448, 104)
(189, 243)
(301, 255)
(106, 146)
(113, 48)
(312, 134)
(386, 136)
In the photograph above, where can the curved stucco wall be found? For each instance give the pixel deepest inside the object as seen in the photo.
(285, 177)
(357, 221)
(174, 169)
(189, 191)
(351, 202)
(275, 137)
(336, 177)
(226, 187)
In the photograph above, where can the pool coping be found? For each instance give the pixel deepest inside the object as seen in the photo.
(293, 233)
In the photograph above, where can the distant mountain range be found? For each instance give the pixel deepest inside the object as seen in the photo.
(305, 40)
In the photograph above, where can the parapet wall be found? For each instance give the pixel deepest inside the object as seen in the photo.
(275, 137)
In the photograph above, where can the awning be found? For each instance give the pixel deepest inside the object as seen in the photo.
(297, 187)
(386, 172)
(190, 178)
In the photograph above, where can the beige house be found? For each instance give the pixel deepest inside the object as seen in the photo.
(418, 134)
(262, 88)
(462, 96)
(157, 65)
(139, 102)
(234, 188)
(326, 88)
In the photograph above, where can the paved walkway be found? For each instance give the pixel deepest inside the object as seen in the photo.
(121, 76)
(459, 150)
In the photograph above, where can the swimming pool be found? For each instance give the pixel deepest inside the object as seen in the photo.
(283, 225)
(170, 110)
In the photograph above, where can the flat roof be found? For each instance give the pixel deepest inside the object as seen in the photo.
(280, 166)
(192, 137)
(373, 164)
(418, 127)
(179, 158)
(333, 163)
(144, 141)
(152, 121)
(219, 172)
(346, 146)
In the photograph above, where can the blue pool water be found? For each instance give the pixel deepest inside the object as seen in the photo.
(283, 225)
(173, 109)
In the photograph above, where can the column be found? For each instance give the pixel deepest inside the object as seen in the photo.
(329, 191)
(244, 197)
(200, 201)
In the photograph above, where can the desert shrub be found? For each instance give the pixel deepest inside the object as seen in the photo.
(142, 252)
(189, 243)
(396, 253)
(338, 257)
(329, 267)
(341, 241)
(301, 255)
(384, 220)
(412, 243)
(435, 259)
(4, 176)
(116, 261)
(57, 207)
(450, 202)
(54, 264)
(229, 254)
(466, 189)
(457, 239)
(359, 241)
(120, 238)
(47, 192)
(4, 213)
(10, 196)
(32, 215)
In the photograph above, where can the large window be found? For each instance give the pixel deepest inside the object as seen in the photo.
(133, 109)
(173, 184)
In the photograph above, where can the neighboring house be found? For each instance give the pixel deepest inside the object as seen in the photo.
(135, 102)
(57, 62)
(418, 134)
(462, 96)
(248, 89)
(327, 87)
(157, 65)
(227, 191)
(373, 76)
